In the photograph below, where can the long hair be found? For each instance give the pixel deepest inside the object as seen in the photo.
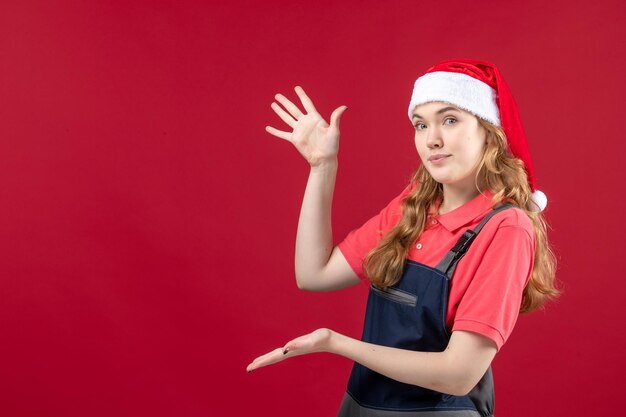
(503, 174)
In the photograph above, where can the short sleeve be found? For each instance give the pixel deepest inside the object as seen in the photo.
(491, 304)
(359, 242)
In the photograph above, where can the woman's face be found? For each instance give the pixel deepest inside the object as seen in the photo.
(450, 143)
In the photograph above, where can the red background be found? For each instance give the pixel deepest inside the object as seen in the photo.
(148, 221)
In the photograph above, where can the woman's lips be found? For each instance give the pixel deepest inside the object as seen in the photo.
(437, 159)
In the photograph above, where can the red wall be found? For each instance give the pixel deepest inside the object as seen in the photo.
(148, 221)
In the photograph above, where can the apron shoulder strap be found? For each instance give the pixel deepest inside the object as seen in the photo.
(448, 264)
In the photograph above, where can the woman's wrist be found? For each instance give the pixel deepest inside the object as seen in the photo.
(335, 343)
(325, 165)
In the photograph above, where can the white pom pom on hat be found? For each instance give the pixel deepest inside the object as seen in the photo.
(478, 87)
(540, 200)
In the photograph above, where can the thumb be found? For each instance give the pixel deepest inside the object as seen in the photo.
(336, 116)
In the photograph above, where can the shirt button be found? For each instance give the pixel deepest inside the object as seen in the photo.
(434, 221)
(418, 246)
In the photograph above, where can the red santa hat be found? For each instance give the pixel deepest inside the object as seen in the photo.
(478, 87)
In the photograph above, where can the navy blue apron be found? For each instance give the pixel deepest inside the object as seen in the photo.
(412, 315)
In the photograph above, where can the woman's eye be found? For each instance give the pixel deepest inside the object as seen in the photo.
(420, 126)
(450, 121)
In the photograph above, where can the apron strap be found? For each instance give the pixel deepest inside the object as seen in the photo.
(448, 264)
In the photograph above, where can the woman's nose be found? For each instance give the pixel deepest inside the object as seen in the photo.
(434, 139)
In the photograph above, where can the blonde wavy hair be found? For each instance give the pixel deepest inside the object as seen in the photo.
(498, 171)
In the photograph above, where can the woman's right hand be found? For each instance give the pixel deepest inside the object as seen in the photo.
(316, 140)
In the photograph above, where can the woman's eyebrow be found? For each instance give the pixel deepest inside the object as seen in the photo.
(445, 109)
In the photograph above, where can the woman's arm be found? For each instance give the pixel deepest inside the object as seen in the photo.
(319, 266)
(454, 371)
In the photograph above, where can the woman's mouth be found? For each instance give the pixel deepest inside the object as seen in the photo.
(437, 159)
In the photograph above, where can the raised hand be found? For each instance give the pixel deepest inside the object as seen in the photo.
(317, 341)
(315, 139)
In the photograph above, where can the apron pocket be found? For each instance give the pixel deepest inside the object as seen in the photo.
(396, 295)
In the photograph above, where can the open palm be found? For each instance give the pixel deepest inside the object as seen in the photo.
(315, 139)
(316, 341)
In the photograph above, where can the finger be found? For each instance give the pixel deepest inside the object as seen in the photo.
(297, 343)
(268, 359)
(291, 108)
(286, 117)
(306, 101)
(278, 133)
(268, 354)
(335, 118)
(260, 358)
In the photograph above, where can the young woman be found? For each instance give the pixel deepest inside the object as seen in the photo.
(452, 260)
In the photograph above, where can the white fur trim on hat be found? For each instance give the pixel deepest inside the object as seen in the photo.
(458, 89)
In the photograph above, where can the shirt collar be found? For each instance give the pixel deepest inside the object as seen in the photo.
(461, 216)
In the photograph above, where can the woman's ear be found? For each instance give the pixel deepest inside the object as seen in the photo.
(488, 135)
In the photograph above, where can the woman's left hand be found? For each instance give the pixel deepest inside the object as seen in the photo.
(318, 341)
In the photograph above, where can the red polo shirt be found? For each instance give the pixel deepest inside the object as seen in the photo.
(486, 289)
